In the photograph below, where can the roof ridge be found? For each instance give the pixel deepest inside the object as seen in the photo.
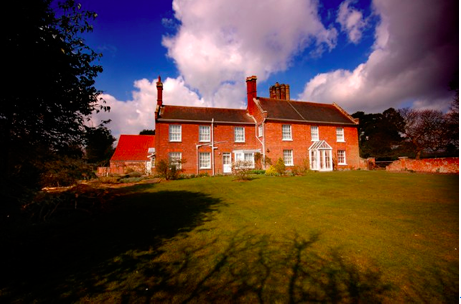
(214, 108)
(301, 101)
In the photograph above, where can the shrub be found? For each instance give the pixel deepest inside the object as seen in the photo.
(134, 174)
(169, 170)
(257, 171)
(131, 179)
(296, 171)
(280, 167)
(110, 179)
(242, 169)
(65, 171)
(271, 171)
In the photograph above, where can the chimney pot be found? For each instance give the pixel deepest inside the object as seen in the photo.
(159, 92)
(280, 91)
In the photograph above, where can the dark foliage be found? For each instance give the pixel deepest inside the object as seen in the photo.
(147, 132)
(379, 134)
(44, 116)
(99, 147)
(429, 131)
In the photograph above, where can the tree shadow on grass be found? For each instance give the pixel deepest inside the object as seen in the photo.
(256, 269)
(249, 268)
(52, 262)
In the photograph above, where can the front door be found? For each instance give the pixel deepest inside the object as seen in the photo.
(227, 163)
(321, 156)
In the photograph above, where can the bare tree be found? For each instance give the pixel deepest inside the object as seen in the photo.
(425, 129)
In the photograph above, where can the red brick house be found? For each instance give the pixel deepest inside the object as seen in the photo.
(210, 140)
(133, 152)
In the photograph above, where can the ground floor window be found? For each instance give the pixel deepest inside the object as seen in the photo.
(341, 157)
(205, 160)
(288, 157)
(245, 159)
(175, 159)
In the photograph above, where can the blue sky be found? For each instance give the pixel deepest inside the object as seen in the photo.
(363, 55)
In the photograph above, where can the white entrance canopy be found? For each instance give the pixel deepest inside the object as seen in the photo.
(320, 153)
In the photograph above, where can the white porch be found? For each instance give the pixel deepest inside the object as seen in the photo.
(320, 153)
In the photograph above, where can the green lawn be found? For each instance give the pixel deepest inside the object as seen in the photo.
(344, 237)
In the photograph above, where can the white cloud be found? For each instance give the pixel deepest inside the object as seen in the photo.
(132, 116)
(412, 61)
(351, 21)
(219, 43)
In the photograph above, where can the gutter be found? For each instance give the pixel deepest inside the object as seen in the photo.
(204, 121)
(212, 147)
(313, 121)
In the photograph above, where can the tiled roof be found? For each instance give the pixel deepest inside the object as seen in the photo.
(133, 148)
(180, 113)
(278, 109)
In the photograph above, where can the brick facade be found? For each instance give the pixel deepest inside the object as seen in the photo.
(268, 115)
(222, 137)
(301, 141)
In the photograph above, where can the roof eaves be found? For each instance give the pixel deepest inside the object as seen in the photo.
(311, 121)
(345, 113)
(258, 104)
(204, 121)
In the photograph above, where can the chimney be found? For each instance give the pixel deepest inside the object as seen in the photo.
(279, 91)
(159, 92)
(251, 93)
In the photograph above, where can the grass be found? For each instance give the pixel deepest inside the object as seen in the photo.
(342, 237)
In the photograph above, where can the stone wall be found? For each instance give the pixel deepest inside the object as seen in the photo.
(433, 165)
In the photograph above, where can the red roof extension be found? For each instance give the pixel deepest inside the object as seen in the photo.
(133, 148)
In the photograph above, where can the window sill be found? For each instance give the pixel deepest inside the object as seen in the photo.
(175, 141)
(287, 139)
(239, 142)
(342, 164)
(204, 168)
(341, 141)
(204, 141)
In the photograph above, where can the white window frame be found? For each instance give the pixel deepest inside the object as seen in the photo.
(204, 133)
(175, 159)
(341, 158)
(239, 134)
(260, 130)
(287, 134)
(246, 157)
(315, 133)
(288, 158)
(175, 133)
(204, 160)
(340, 134)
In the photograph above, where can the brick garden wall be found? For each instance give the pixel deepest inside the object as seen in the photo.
(121, 167)
(433, 165)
